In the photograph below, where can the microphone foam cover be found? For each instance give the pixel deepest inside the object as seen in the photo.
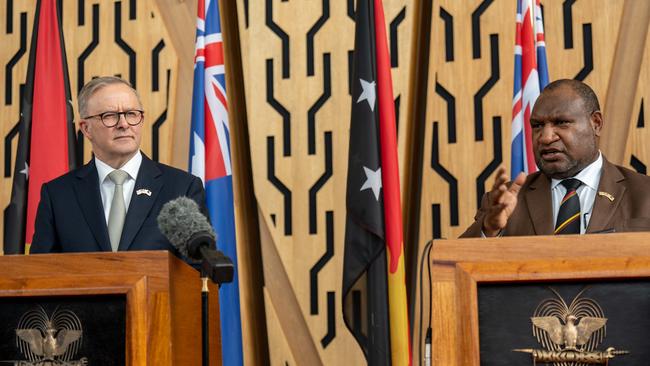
(179, 219)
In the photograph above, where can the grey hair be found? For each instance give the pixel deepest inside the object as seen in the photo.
(96, 84)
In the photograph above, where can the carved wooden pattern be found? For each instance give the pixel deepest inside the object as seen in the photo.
(296, 67)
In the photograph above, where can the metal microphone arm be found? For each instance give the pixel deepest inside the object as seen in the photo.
(214, 264)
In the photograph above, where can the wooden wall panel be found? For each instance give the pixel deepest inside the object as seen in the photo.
(468, 110)
(637, 151)
(585, 51)
(179, 17)
(282, 351)
(296, 58)
(624, 78)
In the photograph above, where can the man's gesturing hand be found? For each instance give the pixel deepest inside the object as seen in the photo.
(501, 202)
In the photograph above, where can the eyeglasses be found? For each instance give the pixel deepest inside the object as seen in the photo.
(110, 119)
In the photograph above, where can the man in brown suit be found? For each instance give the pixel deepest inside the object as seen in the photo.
(566, 124)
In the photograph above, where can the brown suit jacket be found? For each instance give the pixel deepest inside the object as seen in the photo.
(628, 211)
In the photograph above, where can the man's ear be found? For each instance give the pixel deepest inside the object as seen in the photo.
(597, 122)
(85, 129)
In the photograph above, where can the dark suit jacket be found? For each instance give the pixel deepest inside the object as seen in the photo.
(628, 211)
(70, 215)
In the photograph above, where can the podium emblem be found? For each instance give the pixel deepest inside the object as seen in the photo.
(49, 339)
(569, 334)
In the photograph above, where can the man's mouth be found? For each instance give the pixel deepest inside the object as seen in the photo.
(551, 154)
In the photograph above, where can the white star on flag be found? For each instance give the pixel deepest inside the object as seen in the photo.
(373, 181)
(25, 171)
(368, 93)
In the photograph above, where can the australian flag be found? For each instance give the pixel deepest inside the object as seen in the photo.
(210, 160)
(531, 76)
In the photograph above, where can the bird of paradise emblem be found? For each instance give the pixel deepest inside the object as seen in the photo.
(49, 340)
(570, 333)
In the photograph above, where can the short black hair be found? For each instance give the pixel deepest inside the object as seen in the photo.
(583, 90)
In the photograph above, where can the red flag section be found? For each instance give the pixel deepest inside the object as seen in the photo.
(46, 143)
(49, 138)
(398, 314)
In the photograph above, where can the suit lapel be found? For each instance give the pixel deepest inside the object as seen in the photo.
(540, 209)
(604, 208)
(140, 205)
(89, 199)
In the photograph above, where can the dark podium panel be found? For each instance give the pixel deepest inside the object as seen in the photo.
(95, 328)
(127, 308)
(505, 311)
(546, 297)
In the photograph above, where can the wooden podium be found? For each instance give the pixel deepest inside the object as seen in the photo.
(458, 267)
(163, 298)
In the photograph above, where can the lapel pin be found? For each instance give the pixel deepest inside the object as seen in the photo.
(607, 195)
(148, 192)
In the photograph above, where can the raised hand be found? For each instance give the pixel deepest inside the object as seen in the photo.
(502, 201)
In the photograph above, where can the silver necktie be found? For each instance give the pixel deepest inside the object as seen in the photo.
(118, 208)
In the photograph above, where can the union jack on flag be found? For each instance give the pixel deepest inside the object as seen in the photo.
(531, 76)
(210, 160)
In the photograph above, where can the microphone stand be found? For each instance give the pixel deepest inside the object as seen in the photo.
(205, 316)
(216, 267)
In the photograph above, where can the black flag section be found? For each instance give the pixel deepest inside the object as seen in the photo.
(365, 293)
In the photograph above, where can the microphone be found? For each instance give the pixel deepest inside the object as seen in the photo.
(189, 231)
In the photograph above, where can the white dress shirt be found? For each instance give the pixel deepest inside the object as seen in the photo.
(107, 187)
(590, 177)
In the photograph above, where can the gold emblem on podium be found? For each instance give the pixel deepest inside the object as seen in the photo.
(49, 340)
(570, 334)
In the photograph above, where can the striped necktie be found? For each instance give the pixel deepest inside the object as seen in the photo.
(568, 217)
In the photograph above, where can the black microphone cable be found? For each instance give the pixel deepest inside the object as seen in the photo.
(427, 341)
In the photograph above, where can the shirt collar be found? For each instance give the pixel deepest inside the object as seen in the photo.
(589, 176)
(131, 167)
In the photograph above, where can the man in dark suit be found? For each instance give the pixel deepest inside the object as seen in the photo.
(112, 202)
(577, 190)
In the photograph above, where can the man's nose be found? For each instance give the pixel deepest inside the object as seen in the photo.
(547, 135)
(121, 121)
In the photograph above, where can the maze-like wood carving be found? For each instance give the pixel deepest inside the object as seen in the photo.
(297, 59)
